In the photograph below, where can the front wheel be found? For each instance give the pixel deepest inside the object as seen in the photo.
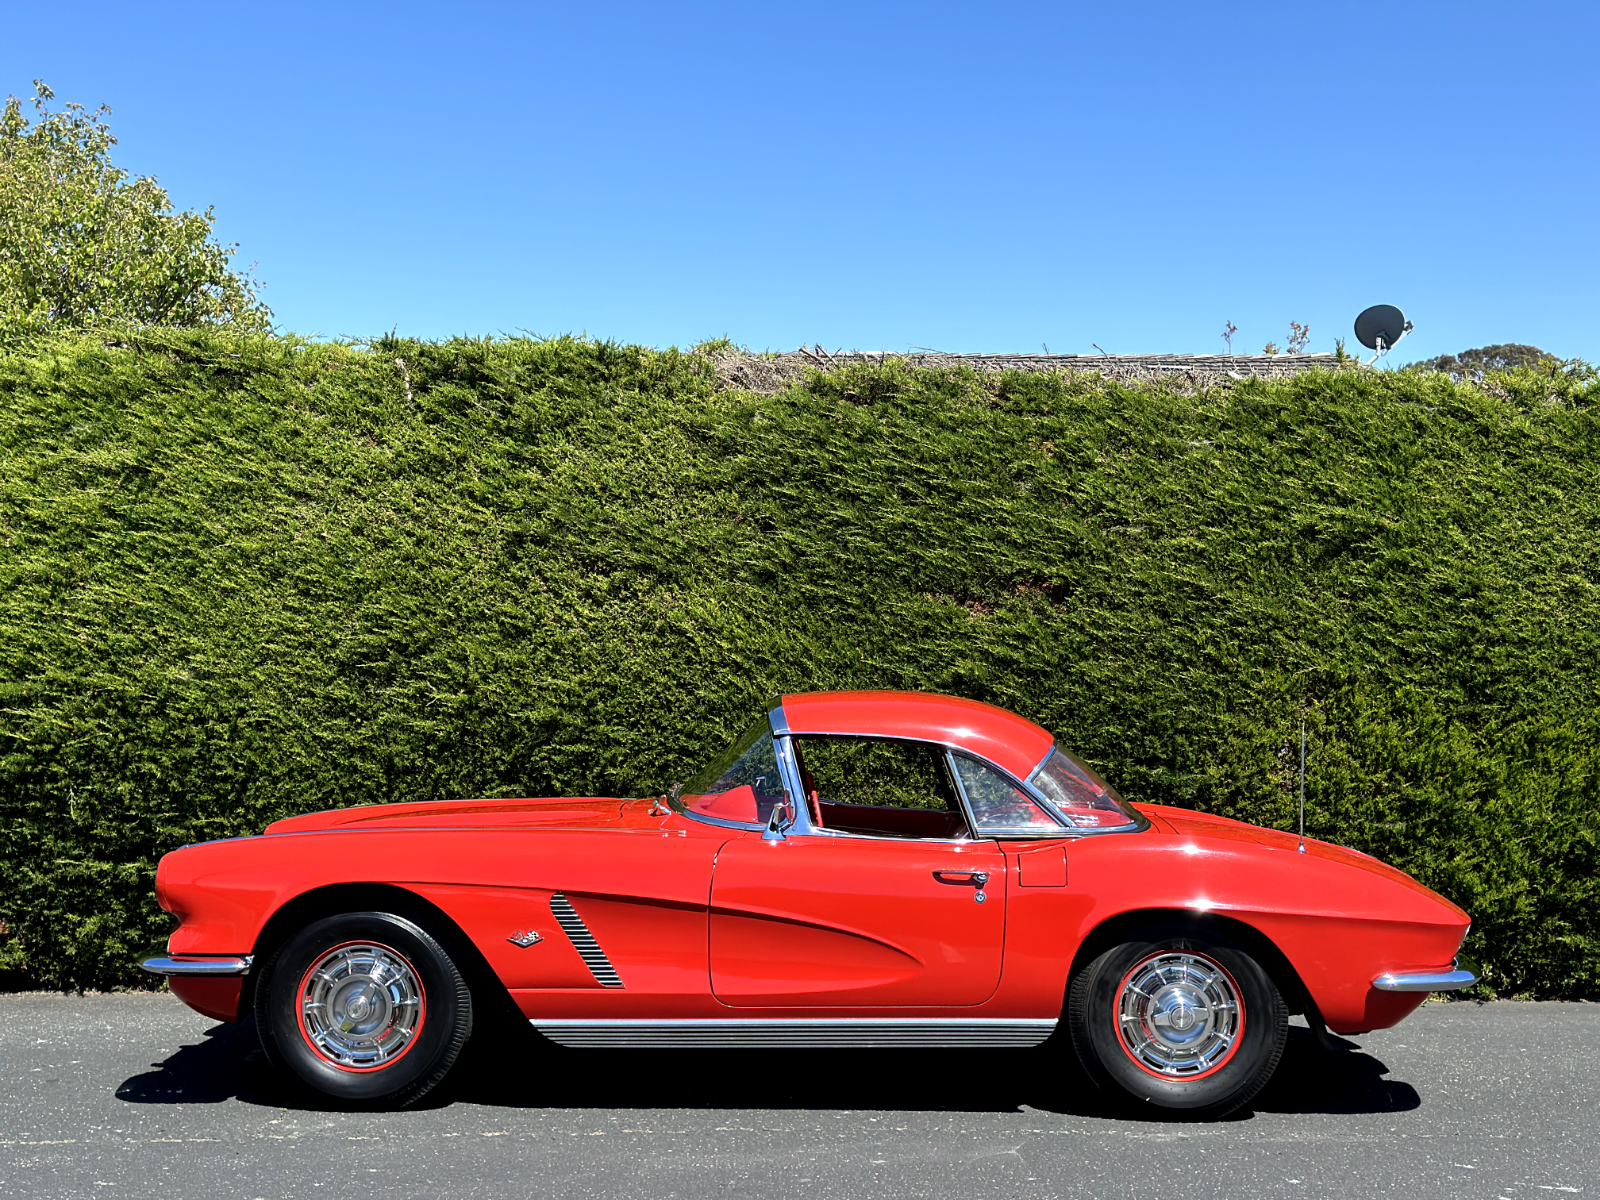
(1178, 1019)
(365, 1007)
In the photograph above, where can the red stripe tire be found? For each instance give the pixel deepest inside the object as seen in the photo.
(366, 1007)
(1178, 1019)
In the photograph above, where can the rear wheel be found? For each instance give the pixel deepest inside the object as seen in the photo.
(1178, 1019)
(365, 1007)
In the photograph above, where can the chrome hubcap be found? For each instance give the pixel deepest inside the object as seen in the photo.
(1178, 1014)
(361, 1005)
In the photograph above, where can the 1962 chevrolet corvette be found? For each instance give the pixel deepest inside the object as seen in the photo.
(857, 869)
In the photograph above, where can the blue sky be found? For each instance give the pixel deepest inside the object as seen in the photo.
(878, 176)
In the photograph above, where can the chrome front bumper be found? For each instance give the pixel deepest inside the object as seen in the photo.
(1424, 981)
(235, 965)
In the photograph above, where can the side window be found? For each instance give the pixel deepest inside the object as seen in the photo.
(879, 787)
(998, 805)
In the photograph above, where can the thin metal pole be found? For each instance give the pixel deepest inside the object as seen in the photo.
(1302, 785)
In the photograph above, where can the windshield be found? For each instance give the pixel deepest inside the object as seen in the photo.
(741, 784)
(1080, 795)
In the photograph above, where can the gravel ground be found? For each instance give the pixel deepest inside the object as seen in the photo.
(134, 1095)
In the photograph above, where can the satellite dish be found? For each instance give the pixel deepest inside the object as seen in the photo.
(1381, 326)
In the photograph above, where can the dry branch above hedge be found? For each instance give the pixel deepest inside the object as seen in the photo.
(770, 373)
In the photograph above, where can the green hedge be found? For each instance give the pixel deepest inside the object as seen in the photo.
(251, 577)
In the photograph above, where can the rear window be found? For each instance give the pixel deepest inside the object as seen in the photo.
(1081, 796)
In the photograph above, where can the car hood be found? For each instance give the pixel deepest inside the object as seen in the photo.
(565, 812)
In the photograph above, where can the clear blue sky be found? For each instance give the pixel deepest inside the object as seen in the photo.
(964, 177)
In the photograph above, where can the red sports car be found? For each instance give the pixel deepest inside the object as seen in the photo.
(857, 869)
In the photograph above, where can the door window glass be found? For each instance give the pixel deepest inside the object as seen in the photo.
(879, 787)
(998, 805)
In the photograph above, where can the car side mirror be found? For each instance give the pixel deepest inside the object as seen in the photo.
(779, 823)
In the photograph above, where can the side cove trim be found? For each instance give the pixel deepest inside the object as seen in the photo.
(584, 942)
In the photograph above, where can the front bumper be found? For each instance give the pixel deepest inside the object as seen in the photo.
(1425, 981)
(213, 986)
(238, 964)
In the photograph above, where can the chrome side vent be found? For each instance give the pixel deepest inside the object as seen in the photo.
(583, 942)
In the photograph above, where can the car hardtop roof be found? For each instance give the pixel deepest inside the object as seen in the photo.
(1002, 737)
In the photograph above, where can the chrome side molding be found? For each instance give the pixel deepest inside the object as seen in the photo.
(236, 965)
(809, 1033)
(1425, 981)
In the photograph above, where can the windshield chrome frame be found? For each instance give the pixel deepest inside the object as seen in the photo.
(793, 786)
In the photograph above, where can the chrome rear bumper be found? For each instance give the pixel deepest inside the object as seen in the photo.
(235, 965)
(1424, 981)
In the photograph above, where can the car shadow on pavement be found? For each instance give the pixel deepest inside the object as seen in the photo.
(227, 1065)
(515, 1067)
(1310, 1079)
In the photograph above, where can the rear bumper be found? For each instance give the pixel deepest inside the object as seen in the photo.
(1424, 981)
(238, 964)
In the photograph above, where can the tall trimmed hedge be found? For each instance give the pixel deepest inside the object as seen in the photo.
(248, 577)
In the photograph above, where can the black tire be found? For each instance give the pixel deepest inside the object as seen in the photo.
(396, 977)
(1128, 1044)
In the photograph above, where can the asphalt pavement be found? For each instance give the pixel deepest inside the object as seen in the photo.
(115, 1096)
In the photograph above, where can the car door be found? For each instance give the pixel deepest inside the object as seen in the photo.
(865, 911)
(856, 921)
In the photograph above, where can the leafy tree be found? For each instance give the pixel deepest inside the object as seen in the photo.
(82, 244)
(1471, 363)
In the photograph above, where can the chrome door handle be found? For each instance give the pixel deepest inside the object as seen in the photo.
(976, 878)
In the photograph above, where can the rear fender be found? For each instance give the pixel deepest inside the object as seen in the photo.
(1118, 929)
